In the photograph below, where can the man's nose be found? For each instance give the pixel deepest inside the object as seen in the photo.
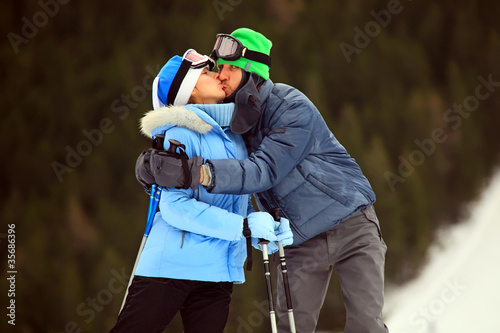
(221, 75)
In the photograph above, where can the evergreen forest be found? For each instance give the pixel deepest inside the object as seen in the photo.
(410, 88)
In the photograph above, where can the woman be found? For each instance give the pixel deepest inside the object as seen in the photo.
(196, 248)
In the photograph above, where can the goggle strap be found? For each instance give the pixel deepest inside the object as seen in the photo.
(256, 56)
(156, 100)
(177, 81)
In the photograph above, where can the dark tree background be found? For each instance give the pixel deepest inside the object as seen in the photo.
(409, 87)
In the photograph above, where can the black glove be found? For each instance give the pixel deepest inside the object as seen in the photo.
(143, 171)
(168, 170)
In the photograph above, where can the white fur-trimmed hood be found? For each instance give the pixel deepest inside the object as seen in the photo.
(174, 115)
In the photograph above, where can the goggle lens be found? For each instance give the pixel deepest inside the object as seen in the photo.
(227, 47)
(193, 56)
(198, 60)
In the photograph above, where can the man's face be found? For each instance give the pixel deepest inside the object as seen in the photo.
(230, 77)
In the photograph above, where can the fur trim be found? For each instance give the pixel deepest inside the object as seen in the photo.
(175, 115)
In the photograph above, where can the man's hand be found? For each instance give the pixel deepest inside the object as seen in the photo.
(160, 167)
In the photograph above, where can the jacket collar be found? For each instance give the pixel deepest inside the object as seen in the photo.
(265, 90)
(192, 117)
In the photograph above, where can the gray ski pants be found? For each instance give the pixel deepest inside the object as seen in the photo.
(356, 249)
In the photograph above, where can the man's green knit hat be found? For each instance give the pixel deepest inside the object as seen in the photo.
(254, 41)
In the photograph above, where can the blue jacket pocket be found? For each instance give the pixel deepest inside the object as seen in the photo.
(327, 190)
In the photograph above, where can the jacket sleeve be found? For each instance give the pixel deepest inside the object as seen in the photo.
(250, 208)
(179, 209)
(182, 210)
(288, 142)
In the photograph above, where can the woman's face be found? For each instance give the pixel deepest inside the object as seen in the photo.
(208, 89)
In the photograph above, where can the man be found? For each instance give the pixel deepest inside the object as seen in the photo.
(298, 165)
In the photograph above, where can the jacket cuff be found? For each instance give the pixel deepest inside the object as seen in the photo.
(209, 176)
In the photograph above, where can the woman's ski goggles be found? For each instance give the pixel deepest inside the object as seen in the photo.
(197, 60)
(229, 48)
(186, 77)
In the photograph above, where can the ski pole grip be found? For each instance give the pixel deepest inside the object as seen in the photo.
(263, 241)
(276, 214)
(158, 141)
(173, 146)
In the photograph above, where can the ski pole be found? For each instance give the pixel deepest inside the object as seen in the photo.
(154, 200)
(276, 215)
(267, 273)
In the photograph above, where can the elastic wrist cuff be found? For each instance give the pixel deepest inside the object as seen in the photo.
(208, 173)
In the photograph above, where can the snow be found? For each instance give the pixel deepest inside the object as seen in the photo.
(459, 288)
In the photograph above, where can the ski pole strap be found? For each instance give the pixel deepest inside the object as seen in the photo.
(248, 235)
(187, 173)
(172, 150)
